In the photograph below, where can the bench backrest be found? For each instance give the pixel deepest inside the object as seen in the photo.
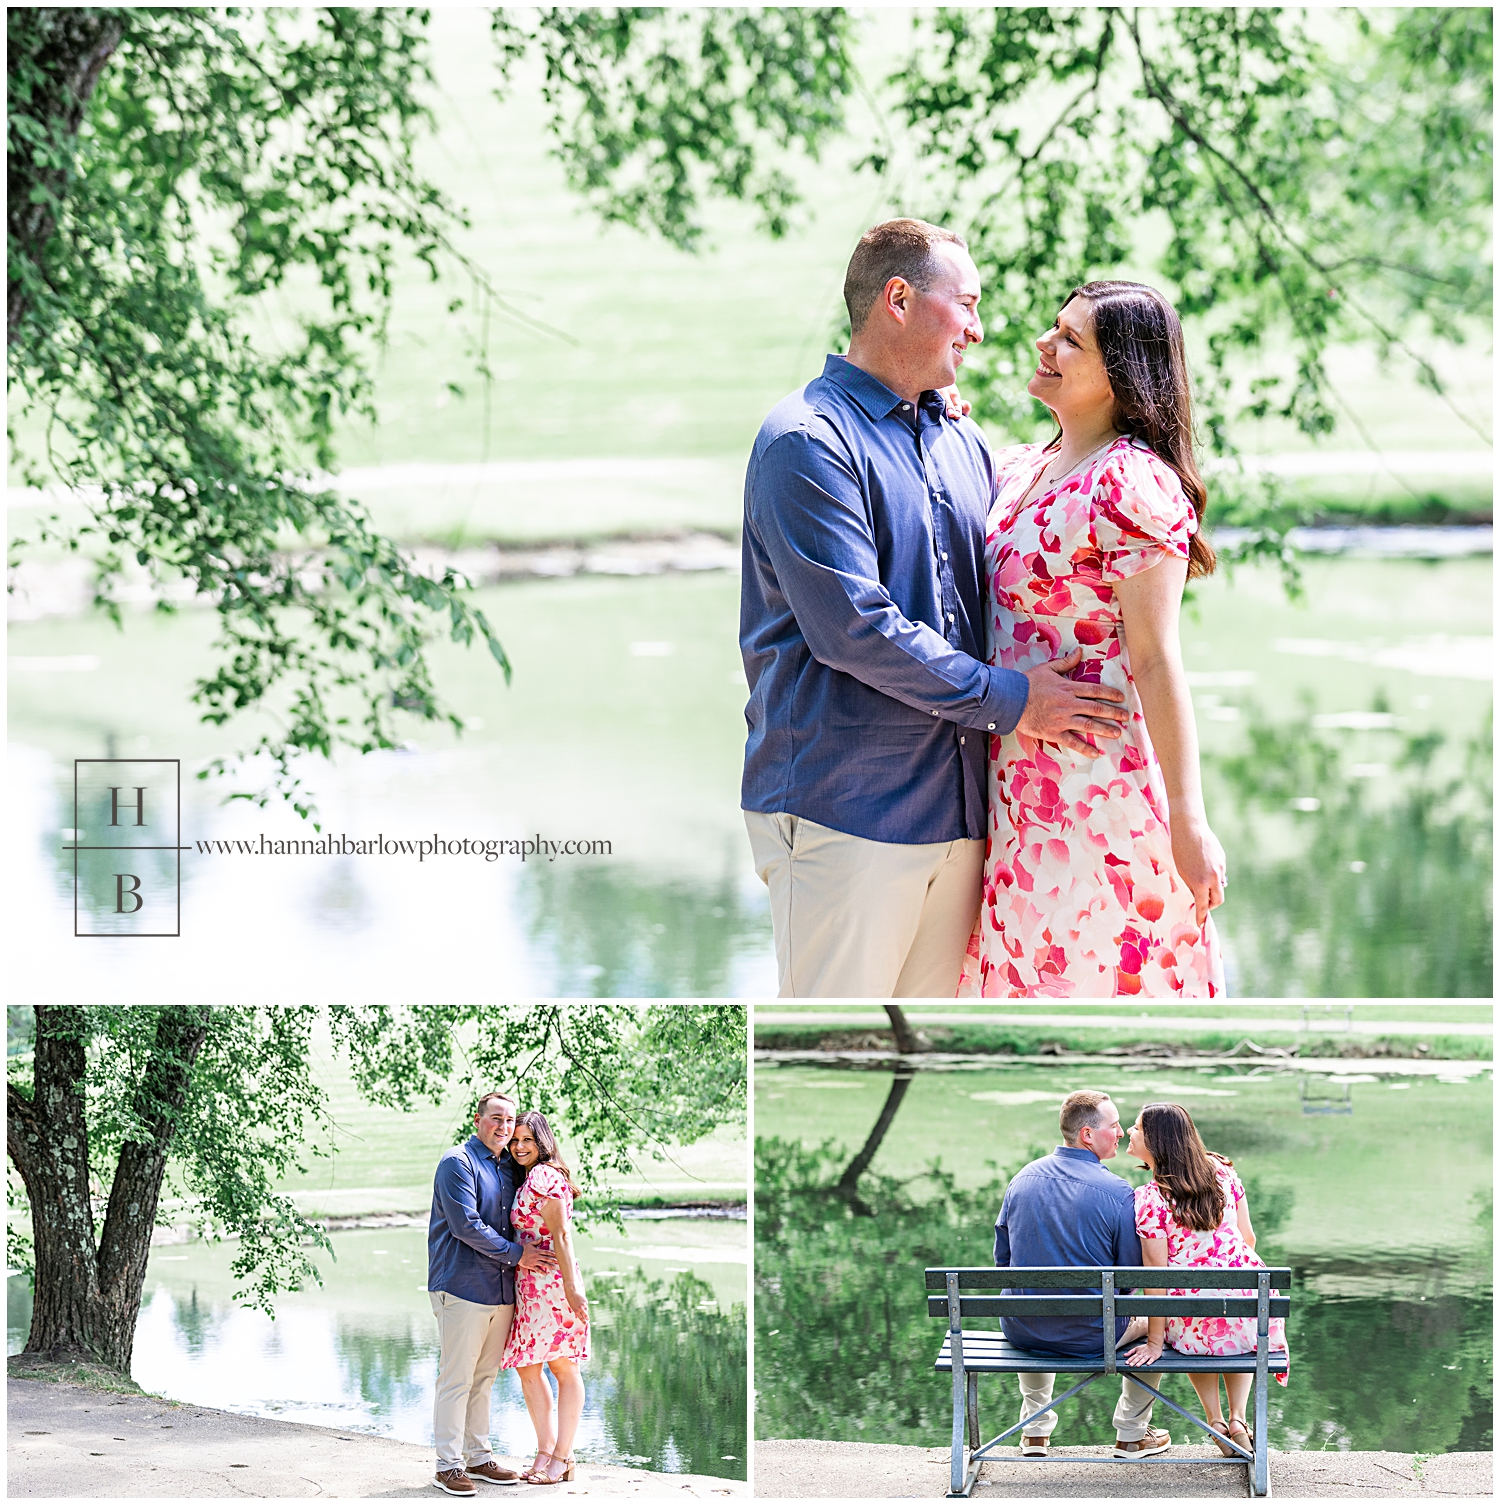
(1085, 1291)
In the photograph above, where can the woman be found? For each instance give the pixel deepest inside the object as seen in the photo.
(1100, 873)
(551, 1325)
(1193, 1212)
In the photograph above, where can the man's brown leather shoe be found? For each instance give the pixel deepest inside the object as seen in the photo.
(1155, 1441)
(492, 1473)
(453, 1481)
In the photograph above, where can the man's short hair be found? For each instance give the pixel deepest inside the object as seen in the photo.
(898, 248)
(484, 1098)
(1080, 1110)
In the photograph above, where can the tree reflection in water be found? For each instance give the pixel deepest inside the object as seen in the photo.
(625, 932)
(1404, 1364)
(671, 1368)
(1349, 879)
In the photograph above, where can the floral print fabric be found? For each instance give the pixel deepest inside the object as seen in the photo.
(1081, 896)
(545, 1326)
(1224, 1247)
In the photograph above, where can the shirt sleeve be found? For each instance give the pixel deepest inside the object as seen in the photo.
(1002, 1236)
(1141, 513)
(1151, 1218)
(808, 511)
(460, 1206)
(1127, 1241)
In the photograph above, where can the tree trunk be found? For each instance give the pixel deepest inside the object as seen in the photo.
(88, 1298)
(54, 58)
(906, 1037)
(848, 1183)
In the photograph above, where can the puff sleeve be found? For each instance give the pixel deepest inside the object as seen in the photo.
(548, 1181)
(1141, 513)
(1152, 1218)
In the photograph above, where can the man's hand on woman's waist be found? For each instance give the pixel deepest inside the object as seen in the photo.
(1062, 710)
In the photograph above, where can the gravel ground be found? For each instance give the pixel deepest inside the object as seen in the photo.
(873, 1471)
(69, 1441)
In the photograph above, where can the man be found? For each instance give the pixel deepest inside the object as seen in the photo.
(862, 628)
(1068, 1210)
(472, 1257)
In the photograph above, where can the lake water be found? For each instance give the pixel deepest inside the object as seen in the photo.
(666, 1382)
(1380, 1204)
(1347, 773)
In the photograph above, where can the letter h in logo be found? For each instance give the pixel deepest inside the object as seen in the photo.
(127, 834)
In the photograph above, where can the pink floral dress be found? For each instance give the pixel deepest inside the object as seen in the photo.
(1223, 1246)
(545, 1326)
(1081, 896)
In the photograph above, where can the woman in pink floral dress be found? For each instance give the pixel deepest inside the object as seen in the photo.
(1193, 1212)
(1100, 868)
(551, 1324)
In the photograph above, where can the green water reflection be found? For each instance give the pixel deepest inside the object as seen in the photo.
(1359, 868)
(1383, 1216)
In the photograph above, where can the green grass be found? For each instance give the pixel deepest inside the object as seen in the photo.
(1018, 1040)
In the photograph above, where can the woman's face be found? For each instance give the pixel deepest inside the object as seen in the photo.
(1136, 1148)
(1070, 377)
(523, 1148)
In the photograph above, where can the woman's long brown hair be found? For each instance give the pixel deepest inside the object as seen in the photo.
(1140, 338)
(1185, 1171)
(546, 1143)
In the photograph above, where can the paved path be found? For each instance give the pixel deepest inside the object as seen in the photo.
(70, 1441)
(1322, 1024)
(868, 1471)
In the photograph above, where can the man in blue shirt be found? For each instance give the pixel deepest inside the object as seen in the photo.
(1068, 1210)
(862, 628)
(472, 1258)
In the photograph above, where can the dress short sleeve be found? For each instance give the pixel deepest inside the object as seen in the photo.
(1141, 513)
(1234, 1188)
(1152, 1216)
(548, 1181)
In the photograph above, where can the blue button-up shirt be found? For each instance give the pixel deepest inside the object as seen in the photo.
(472, 1252)
(862, 614)
(1065, 1210)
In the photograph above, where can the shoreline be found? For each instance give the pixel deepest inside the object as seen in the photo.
(807, 1470)
(66, 1440)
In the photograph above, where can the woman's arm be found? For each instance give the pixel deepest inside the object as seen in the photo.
(560, 1226)
(1149, 604)
(1242, 1218)
(1153, 1252)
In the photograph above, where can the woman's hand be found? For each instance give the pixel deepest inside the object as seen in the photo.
(1200, 863)
(1144, 1353)
(957, 407)
(578, 1301)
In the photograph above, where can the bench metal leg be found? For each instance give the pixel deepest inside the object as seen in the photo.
(973, 1409)
(1261, 1480)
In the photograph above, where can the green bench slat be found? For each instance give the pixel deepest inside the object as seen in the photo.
(999, 1278)
(1090, 1306)
(993, 1353)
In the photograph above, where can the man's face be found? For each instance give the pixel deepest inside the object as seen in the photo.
(944, 321)
(1104, 1140)
(494, 1124)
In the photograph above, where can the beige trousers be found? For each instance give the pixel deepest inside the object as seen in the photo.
(1132, 1412)
(471, 1343)
(853, 918)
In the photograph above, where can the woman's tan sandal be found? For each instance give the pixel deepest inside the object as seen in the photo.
(536, 1474)
(1222, 1428)
(1241, 1434)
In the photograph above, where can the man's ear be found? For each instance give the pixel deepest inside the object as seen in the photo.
(896, 299)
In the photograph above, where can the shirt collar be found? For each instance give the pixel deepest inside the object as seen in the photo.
(873, 396)
(478, 1146)
(1076, 1152)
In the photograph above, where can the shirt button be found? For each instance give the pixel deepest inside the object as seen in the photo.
(934, 713)
(906, 407)
(945, 558)
(992, 726)
(961, 741)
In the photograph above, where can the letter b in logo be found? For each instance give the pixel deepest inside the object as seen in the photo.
(127, 887)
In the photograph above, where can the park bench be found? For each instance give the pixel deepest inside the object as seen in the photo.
(966, 1294)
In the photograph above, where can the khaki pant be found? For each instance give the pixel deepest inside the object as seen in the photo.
(853, 918)
(1132, 1414)
(471, 1340)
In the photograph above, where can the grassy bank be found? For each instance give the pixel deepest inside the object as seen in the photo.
(1019, 1040)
